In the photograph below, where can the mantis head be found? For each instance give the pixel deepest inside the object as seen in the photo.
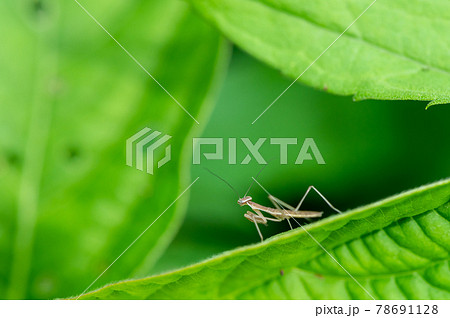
(243, 201)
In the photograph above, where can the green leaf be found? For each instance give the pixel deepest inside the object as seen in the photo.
(70, 99)
(397, 50)
(397, 248)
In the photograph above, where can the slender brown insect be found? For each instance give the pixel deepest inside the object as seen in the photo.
(282, 210)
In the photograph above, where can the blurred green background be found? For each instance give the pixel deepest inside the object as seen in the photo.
(70, 97)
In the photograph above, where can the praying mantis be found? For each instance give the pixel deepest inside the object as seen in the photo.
(282, 210)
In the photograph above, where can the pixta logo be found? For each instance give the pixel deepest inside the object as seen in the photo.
(141, 148)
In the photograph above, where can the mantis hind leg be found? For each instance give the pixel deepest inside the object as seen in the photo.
(321, 195)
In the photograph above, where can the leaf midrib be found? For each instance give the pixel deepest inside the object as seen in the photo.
(363, 40)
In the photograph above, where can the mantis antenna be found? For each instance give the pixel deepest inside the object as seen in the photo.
(226, 182)
(253, 182)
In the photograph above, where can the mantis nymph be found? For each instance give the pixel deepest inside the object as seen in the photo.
(282, 210)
